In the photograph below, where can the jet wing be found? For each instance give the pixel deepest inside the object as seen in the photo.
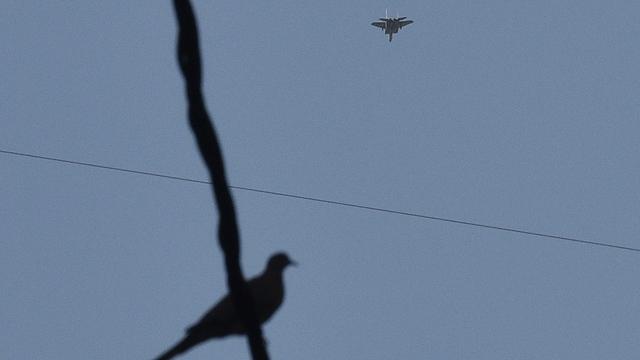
(404, 23)
(380, 24)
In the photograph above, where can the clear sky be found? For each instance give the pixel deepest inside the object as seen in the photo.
(522, 114)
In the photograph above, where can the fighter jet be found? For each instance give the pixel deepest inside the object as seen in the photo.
(391, 25)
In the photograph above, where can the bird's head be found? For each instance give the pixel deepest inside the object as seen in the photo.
(279, 261)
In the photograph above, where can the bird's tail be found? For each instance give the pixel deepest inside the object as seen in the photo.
(185, 344)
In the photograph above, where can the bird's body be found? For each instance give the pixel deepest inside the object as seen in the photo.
(267, 291)
(222, 319)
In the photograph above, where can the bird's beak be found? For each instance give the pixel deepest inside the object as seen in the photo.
(293, 263)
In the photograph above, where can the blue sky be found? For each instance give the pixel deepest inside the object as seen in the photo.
(520, 114)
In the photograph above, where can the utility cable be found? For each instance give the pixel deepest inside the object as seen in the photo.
(332, 202)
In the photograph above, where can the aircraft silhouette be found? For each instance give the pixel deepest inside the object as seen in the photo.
(391, 25)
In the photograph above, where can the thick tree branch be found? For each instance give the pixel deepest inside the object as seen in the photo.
(202, 127)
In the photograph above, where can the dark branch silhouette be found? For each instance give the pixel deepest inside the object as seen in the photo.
(202, 127)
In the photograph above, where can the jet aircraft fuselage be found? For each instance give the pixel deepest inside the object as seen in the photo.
(391, 25)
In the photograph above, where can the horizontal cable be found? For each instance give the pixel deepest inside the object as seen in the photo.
(332, 202)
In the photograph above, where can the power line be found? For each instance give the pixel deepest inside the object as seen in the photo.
(332, 202)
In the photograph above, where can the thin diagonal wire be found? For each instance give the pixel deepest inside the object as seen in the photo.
(332, 202)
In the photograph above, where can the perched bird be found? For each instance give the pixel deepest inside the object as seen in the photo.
(223, 319)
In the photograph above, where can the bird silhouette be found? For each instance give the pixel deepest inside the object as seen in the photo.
(223, 319)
